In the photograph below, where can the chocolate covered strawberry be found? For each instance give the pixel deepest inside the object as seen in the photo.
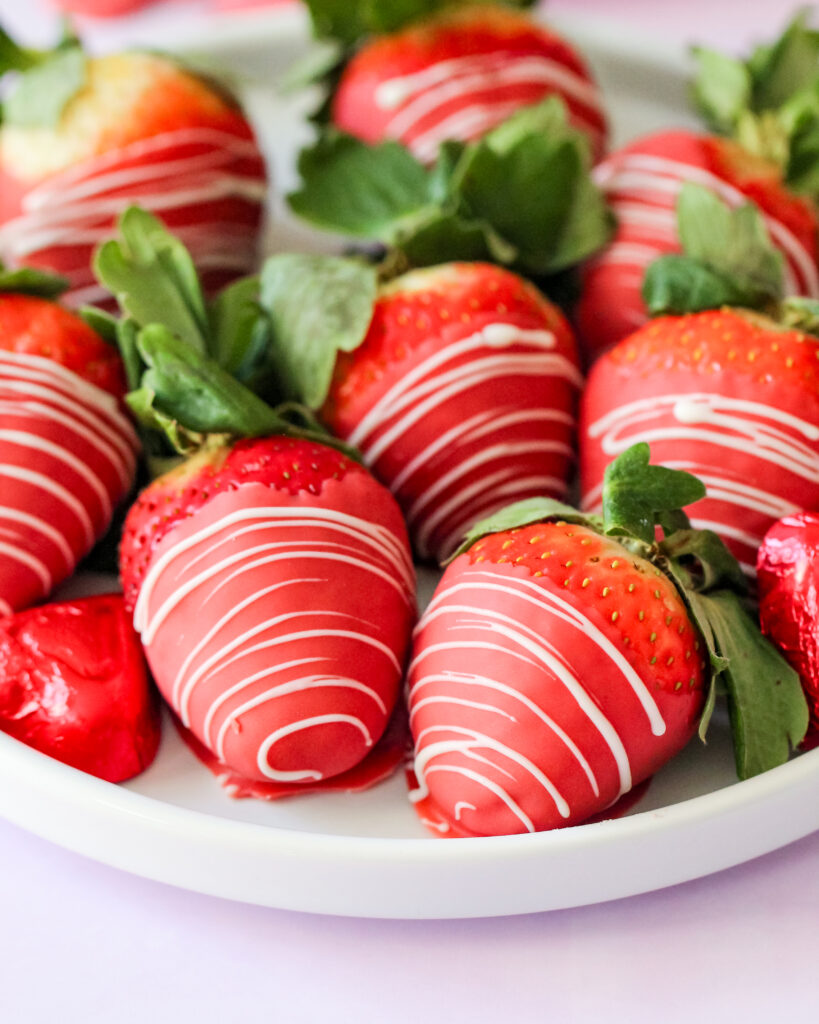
(269, 573)
(82, 137)
(731, 394)
(67, 450)
(74, 685)
(459, 388)
(788, 581)
(563, 659)
(642, 182)
(274, 597)
(457, 74)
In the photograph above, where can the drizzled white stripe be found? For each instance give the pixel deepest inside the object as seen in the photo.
(498, 352)
(525, 639)
(465, 679)
(69, 391)
(547, 600)
(36, 565)
(310, 774)
(75, 208)
(315, 516)
(296, 686)
(38, 412)
(427, 753)
(56, 490)
(31, 522)
(423, 94)
(236, 653)
(25, 439)
(412, 386)
(77, 431)
(732, 423)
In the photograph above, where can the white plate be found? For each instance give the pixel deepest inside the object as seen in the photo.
(366, 854)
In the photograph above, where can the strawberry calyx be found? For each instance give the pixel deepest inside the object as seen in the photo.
(198, 370)
(521, 196)
(728, 260)
(768, 102)
(643, 512)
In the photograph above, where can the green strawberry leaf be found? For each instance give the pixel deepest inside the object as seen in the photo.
(14, 57)
(318, 306)
(153, 278)
(769, 101)
(40, 95)
(721, 90)
(239, 335)
(707, 561)
(522, 513)
(674, 285)
(725, 88)
(783, 68)
(521, 196)
(188, 397)
(635, 492)
(768, 710)
(728, 259)
(360, 190)
(799, 122)
(446, 237)
(28, 281)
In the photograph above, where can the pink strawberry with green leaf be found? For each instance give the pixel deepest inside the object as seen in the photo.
(269, 573)
(722, 383)
(565, 658)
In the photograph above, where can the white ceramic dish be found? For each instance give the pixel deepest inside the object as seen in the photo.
(366, 854)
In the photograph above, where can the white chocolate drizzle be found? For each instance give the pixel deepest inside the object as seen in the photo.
(478, 460)
(65, 446)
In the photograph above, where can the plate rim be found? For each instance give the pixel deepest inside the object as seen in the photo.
(67, 792)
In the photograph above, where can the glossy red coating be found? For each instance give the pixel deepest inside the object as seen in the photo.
(74, 685)
(788, 579)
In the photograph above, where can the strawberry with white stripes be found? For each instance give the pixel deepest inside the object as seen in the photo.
(269, 574)
(563, 659)
(459, 73)
(273, 590)
(82, 137)
(459, 391)
(642, 182)
(67, 449)
(726, 389)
